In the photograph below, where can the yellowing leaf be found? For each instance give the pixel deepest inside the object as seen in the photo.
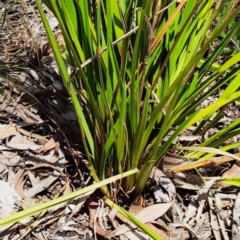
(235, 181)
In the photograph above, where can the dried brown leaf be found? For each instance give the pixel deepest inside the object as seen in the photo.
(148, 214)
(7, 131)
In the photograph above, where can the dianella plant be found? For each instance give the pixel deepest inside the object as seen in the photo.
(140, 71)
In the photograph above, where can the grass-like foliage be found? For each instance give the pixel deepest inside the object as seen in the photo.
(140, 69)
